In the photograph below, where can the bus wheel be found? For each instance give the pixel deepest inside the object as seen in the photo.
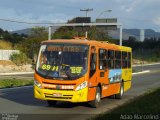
(121, 92)
(95, 103)
(51, 102)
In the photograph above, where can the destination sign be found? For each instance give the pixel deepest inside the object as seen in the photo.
(65, 48)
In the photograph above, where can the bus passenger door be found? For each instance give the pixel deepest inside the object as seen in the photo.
(92, 82)
(103, 68)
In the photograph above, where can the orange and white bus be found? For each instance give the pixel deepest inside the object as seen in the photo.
(79, 70)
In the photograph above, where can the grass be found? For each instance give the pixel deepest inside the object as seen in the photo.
(148, 104)
(5, 45)
(9, 83)
(147, 55)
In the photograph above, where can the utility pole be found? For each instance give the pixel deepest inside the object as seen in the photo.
(121, 37)
(49, 32)
(87, 11)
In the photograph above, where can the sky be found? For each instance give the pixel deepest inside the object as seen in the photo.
(141, 14)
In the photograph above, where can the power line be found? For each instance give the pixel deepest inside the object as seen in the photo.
(24, 22)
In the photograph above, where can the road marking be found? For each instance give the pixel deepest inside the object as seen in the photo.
(146, 71)
(145, 64)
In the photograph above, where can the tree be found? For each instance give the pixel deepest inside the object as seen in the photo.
(30, 45)
(79, 31)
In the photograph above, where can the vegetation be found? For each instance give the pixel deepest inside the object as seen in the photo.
(146, 104)
(13, 38)
(5, 45)
(71, 32)
(20, 58)
(27, 44)
(31, 44)
(9, 83)
(149, 50)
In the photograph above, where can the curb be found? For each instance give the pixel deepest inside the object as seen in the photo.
(18, 87)
(17, 73)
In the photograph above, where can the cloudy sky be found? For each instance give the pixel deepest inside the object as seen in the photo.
(141, 14)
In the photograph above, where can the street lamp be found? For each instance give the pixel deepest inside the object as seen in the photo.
(103, 12)
(86, 10)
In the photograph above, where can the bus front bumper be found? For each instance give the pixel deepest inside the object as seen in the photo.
(61, 95)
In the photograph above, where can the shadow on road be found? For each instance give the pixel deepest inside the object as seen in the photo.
(70, 105)
(25, 96)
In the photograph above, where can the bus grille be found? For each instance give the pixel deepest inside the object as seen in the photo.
(62, 97)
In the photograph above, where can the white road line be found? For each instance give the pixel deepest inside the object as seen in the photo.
(145, 64)
(146, 71)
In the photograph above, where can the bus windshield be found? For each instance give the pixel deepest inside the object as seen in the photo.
(62, 61)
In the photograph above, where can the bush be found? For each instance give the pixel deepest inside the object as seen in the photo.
(8, 83)
(20, 59)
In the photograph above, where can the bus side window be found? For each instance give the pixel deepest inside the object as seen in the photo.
(129, 60)
(117, 59)
(93, 59)
(124, 59)
(110, 59)
(103, 55)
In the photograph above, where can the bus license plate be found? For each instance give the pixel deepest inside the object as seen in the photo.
(57, 94)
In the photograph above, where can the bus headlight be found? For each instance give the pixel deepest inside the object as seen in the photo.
(38, 84)
(81, 86)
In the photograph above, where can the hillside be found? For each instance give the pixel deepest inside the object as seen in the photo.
(27, 31)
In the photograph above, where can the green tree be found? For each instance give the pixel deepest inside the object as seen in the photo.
(94, 32)
(30, 45)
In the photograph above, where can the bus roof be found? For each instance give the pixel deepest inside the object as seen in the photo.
(101, 44)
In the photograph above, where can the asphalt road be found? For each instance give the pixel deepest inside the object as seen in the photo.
(21, 101)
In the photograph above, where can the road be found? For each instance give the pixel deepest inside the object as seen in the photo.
(21, 101)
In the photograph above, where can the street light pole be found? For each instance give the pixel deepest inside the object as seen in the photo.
(121, 32)
(49, 32)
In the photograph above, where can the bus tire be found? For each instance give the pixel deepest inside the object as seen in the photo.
(121, 92)
(51, 102)
(96, 102)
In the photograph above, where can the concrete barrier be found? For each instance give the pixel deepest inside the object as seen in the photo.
(5, 54)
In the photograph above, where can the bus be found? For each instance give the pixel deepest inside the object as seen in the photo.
(80, 70)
